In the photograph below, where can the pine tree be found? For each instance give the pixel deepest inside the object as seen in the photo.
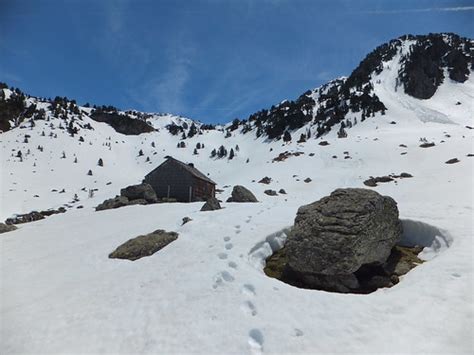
(89, 173)
(287, 136)
(302, 138)
(140, 153)
(213, 153)
(192, 130)
(231, 154)
(195, 151)
(100, 162)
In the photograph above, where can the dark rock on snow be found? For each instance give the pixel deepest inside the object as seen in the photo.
(282, 191)
(33, 216)
(140, 191)
(116, 202)
(270, 192)
(266, 180)
(144, 245)
(337, 235)
(186, 220)
(241, 194)
(307, 180)
(6, 228)
(427, 145)
(211, 204)
(452, 161)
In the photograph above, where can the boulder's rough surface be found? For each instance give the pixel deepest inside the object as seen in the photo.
(335, 236)
(141, 191)
(6, 228)
(115, 202)
(242, 194)
(211, 204)
(144, 245)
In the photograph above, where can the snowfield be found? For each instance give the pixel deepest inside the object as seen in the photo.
(206, 292)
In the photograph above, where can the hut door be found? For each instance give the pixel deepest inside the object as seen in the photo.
(190, 193)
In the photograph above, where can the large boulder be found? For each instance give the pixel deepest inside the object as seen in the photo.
(337, 235)
(241, 194)
(143, 245)
(211, 204)
(141, 191)
(6, 228)
(116, 202)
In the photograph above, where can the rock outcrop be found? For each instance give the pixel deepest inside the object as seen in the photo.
(335, 237)
(211, 204)
(116, 202)
(141, 191)
(4, 228)
(144, 245)
(241, 194)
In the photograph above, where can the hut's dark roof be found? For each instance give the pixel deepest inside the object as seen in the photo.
(189, 168)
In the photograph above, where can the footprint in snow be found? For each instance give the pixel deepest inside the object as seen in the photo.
(222, 277)
(222, 256)
(249, 308)
(298, 332)
(226, 239)
(255, 341)
(232, 265)
(248, 290)
(229, 246)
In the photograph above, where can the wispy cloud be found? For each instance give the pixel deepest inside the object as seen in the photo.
(428, 9)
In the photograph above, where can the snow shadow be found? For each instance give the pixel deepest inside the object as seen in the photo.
(262, 250)
(424, 235)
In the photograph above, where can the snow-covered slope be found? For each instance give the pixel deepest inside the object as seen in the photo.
(206, 292)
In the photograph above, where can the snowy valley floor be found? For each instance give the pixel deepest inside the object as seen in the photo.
(207, 293)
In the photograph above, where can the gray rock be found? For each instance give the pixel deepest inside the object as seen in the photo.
(266, 180)
(25, 218)
(242, 194)
(116, 202)
(452, 161)
(186, 220)
(6, 228)
(338, 234)
(282, 191)
(211, 204)
(270, 192)
(144, 245)
(140, 191)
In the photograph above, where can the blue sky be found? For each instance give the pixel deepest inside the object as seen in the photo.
(211, 60)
